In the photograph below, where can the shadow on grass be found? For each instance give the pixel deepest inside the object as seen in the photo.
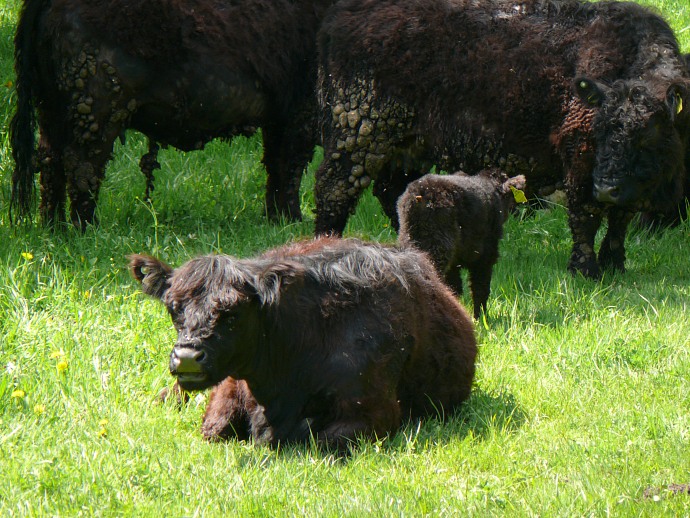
(479, 417)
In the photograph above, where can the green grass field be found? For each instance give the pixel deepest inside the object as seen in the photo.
(582, 397)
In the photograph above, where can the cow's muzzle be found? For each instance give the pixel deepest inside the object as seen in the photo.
(185, 363)
(608, 194)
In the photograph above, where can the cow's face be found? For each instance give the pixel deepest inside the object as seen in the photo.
(213, 338)
(214, 303)
(639, 149)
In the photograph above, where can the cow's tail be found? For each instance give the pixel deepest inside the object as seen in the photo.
(23, 124)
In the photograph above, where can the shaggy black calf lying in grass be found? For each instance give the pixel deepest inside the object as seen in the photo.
(459, 220)
(593, 95)
(331, 339)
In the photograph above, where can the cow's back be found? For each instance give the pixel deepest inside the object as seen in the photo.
(504, 70)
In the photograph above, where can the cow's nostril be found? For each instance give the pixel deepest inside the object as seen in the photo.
(606, 194)
(186, 359)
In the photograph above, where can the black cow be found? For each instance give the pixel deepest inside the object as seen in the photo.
(181, 72)
(672, 215)
(327, 338)
(594, 95)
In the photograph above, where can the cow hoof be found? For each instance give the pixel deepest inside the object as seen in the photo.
(588, 269)
(611, 264)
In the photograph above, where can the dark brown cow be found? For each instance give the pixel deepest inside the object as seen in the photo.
(331, 338)
(673, 214)
(181, 72)
(594, 95)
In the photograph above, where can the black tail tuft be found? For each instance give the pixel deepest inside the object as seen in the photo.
(23, 124)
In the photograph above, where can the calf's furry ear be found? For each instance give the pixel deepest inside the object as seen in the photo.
(269, 282)
(153, 274)
(516, 182)
(675, 97)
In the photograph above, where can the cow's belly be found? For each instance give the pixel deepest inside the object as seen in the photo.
(189, 105)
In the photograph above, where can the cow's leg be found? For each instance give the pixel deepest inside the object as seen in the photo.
(584, 224)
(436, 244)
(361, 137)
(85, 160)
(283, 175)
(366, 404)
(227, 412)
(375, 417)
(148, 164)
(84, 174)
(288, 148)
(390, 183)
(480, 284)
(335, 196)
(439, 244)
(453, 277)
(612, 250)
(98, 111)
(52, 182)
(55, 131)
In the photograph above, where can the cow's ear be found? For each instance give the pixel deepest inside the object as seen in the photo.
(591, 93)
(516, 182)
(153, 274)
(516, 187)
(271, 280)
(675, 97)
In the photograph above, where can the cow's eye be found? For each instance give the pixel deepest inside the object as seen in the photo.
(174, 309)
(227, 318)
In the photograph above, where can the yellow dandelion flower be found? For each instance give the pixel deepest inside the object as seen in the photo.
(18, 394)
(62, 366)
(87, 294)
(102, 432)
(27, 255)
(57, 354)
(39, 409)
(103, 422)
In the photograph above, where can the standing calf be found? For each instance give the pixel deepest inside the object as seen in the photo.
(328, 338)
(459, 220)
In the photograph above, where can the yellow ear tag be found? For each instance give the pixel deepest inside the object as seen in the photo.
(679, 103)
(518, 195)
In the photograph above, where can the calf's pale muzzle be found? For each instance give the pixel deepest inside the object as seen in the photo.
(185, 363)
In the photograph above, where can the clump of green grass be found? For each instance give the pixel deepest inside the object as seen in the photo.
(582, 389)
